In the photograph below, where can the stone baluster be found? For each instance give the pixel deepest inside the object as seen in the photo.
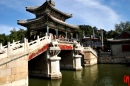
(1, 47)
(25, 45)
(13, 44)
(46, 37)
(46, 34)
(9, 49)
(51, 37)
(38, 40)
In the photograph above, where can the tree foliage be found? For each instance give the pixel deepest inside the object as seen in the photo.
(119, 28)
(15, 35)
(112, 34)
(3, 38)
(84, 29)
(87, 30)
(122, 26)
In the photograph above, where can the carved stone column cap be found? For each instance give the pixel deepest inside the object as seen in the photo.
(78, 56)
(55, 58)
(54, 48)
(77, 49)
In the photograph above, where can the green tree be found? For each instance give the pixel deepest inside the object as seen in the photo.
(15, 35)
(21, 34)
(122, 26)
(88, 30)
(112, 34)
(3, 39)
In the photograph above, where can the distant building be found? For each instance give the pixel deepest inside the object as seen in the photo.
(120, 50)
(91, 41)
(120, 46)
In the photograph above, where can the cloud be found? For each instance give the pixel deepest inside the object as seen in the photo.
(17, 5)
(91, 12)
(6, 29)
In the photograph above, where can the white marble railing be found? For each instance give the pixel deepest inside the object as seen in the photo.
(90, 49)
(39, 42)
(16, 48)
(64, 40)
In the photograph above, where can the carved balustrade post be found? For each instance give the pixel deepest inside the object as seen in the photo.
(1, 47)
(9, 49)
(25, 44)
(13, 44)
(38, 40)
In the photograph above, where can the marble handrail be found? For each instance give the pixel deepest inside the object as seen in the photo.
(90, 49)
(21, 47)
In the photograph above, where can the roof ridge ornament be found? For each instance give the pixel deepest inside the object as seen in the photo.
(51, 2)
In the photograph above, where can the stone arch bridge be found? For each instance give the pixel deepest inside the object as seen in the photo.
(43, 57)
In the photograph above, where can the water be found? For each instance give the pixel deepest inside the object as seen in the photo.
(97, 75)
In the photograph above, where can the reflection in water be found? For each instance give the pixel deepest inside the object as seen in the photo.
(89, 75)
(44, 82)
(97, 75)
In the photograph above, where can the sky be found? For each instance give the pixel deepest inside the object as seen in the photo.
(103, 14)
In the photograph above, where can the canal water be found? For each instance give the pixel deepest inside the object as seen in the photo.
(97, 75)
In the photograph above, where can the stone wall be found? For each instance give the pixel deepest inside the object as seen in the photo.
(89, 59)
(14, 72)
(89, 55)
(112, 60)
(116, 50)
(14, 60)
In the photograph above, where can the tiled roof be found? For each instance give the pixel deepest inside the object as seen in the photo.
(119, 36)
(25, 22)
(64, 23)
(116, 40)
(34, 8)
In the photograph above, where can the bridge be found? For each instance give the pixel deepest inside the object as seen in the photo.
(43, 57)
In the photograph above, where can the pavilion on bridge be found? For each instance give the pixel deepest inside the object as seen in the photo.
(48, 20)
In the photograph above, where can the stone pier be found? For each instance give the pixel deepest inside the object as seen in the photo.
(46, 65)
(70, 59)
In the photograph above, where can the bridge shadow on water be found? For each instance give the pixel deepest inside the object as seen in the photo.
(97, 75)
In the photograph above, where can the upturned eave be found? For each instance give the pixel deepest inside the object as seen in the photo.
(33, 9)
(26, 22)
